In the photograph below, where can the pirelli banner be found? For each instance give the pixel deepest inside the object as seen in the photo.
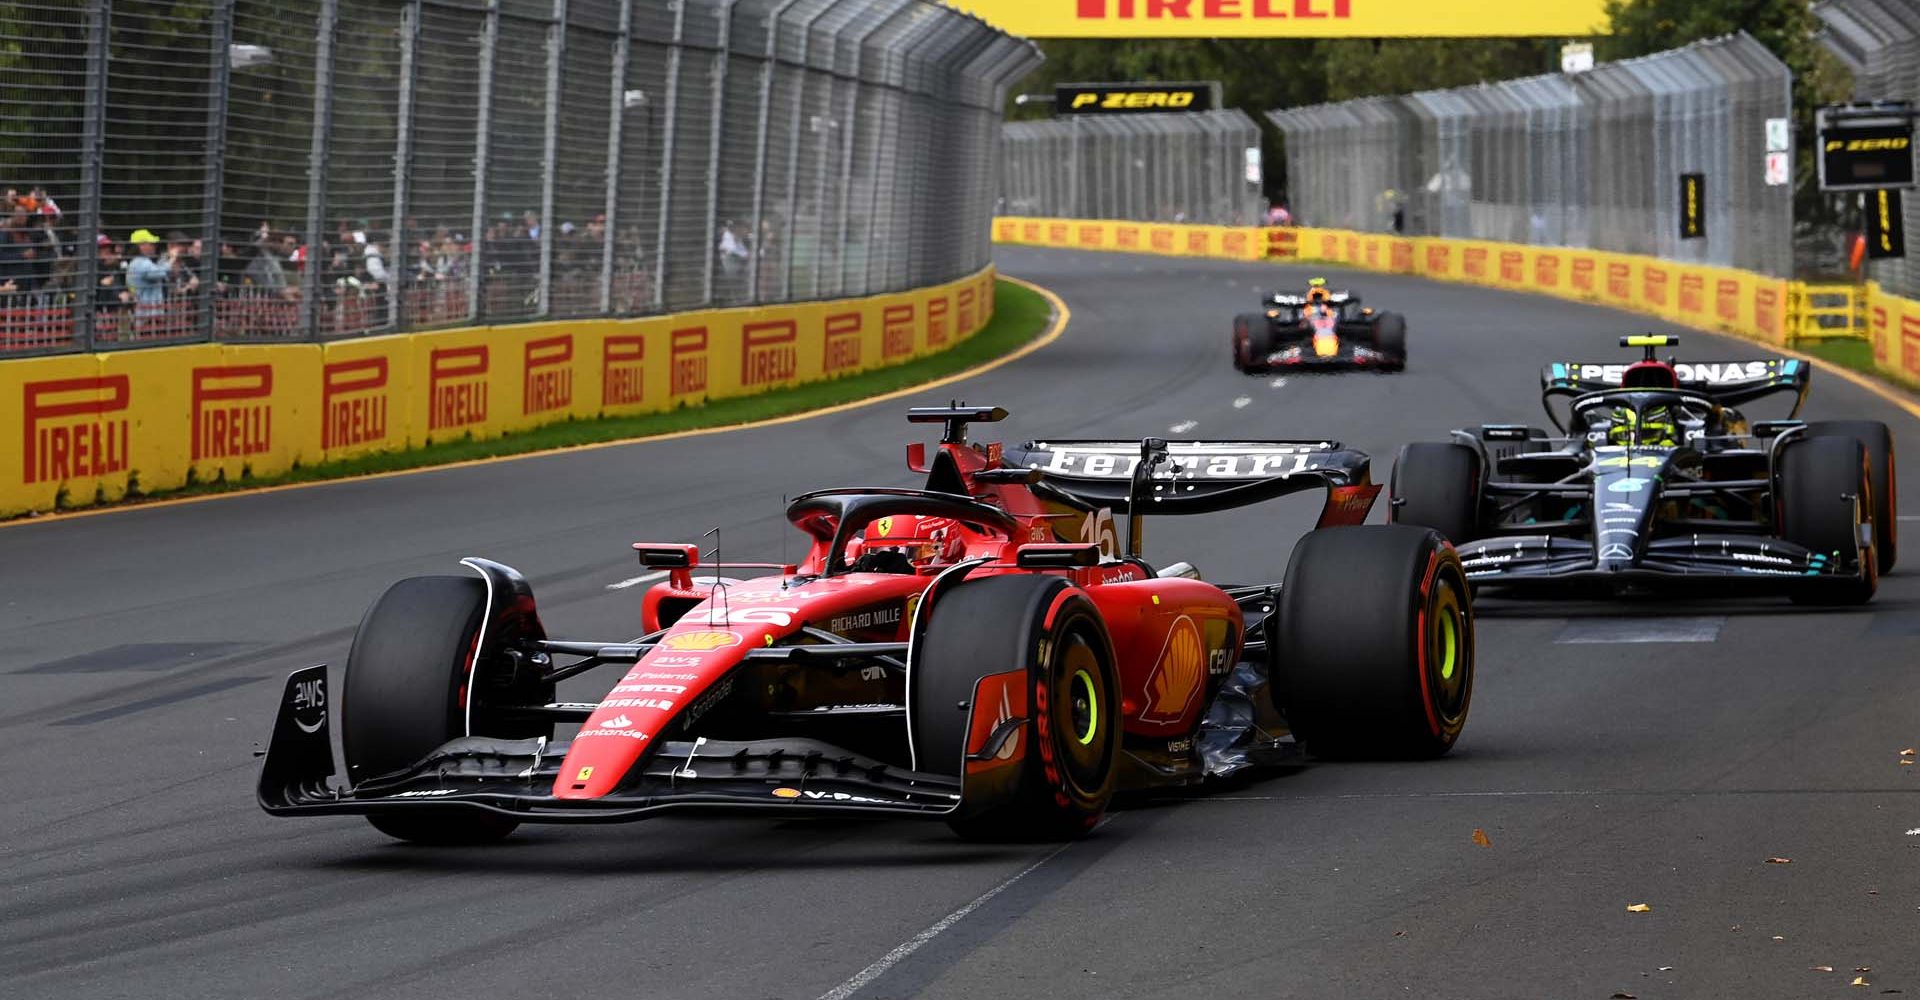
(1893, 326)
(93, 427)
(1291, 18)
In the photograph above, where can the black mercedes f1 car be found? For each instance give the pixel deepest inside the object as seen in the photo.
(1323, 330)
(1657, 478)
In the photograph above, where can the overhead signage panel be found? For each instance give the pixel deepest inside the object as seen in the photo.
(1291, 18)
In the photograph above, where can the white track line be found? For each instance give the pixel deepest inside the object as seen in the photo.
(1279, 383)
(1183, 427)
(915, 943)
(638, 580)
(1910, 517)
(1243, 402)
(1636, 630)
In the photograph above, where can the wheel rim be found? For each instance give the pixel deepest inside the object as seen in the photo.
(1449, 650)
(1079, 731)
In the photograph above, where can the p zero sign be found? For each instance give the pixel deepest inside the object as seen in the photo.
(1132, 98)
(1866, 147)
(1291, 18)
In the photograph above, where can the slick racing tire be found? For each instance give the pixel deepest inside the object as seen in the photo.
(1252, 341)
(1881, 471)
(406, 681)
(1070, 741)
(1390, 339)
(1820, 479)
(1437, 486)
(1373, 643)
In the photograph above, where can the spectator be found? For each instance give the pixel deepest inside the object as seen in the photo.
(1279, 214)
(266, 271)
(111, 296)
(17, 254)
(147, 274)
(184, 255)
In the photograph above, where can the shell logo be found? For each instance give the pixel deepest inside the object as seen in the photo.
(786, 793)
(701, 641)
(1178, 675)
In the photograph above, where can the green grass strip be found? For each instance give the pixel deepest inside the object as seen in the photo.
(1020, 315)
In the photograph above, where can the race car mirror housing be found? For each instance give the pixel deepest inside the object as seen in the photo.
(1057, 556)
(677, 560)
(917, 457)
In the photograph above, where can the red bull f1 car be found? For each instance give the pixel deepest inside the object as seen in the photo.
(1323, 330)
(990, 650)
(1658, 480)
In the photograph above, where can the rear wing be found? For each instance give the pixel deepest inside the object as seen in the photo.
(1155, 476)
(1729, 382)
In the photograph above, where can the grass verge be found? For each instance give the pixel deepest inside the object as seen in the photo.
(1854, 354)
(1020, 315)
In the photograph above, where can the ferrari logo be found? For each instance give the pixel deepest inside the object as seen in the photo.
(701, 641)
(1178, 675)
(585, 773)
(883, 527)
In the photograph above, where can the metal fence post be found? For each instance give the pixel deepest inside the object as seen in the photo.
(550, 162)
(721, 58)
(616, 127)
(760, 144)
(793, 151)
(666, 154)
(482, 153)
(317, 167)
(92, 151)
(218, 83)
(398, 248)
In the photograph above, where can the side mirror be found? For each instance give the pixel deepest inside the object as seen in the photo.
(917, 457)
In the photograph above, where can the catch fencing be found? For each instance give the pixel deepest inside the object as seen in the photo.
(1879, 40)
(315, 169)
(1176, 168)
(1591, 160)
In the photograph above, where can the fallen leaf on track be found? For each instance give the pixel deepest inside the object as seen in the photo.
(1623, 996)
(1863, 968)
(1664, 968)
(1860, 981)
(1777, 937)
(1908, 752)
(1480, 838)
(1821, 968)
(1779, 861)
(1639, 908)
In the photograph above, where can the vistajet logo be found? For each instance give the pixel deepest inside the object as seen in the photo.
(70, 430)
(353, 402)
(549, 375)
(232, 411)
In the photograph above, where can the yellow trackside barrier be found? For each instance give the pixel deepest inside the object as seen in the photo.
(95, 427)
(1827, 312)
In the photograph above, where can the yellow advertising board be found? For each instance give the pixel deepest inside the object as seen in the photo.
(366, 386)
(1290, 18)
(73, 434)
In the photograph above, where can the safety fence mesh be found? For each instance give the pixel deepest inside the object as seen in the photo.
(1591, 159)
(1193, 168)
(278, 170)
(1880, 41)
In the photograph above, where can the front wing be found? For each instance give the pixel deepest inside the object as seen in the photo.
(1744, 562)
(516, 777)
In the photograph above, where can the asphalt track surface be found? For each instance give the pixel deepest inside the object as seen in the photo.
(142, 652)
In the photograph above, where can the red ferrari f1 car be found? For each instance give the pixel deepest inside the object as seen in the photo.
(990, 650)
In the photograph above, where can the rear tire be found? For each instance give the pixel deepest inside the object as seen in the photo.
(996, 624)
(1437, 486)
(405, 681)
(1252, 341)
(1881, 471)
(1819, 479)
(1374, 643)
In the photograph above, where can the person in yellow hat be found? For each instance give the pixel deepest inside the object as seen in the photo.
(147, 275)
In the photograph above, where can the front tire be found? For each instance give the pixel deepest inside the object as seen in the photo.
(1374, 643)
(1390, 337)
(1072, 732)
(1881, 472)
(1437, 486)
(1826, 492)
(1252, 341)
(405, 694)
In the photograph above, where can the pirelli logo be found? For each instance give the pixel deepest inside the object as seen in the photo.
(1032, 232)
(1162, 239)
(1726, 300)
(687, 361)
(457, 387)
(1693, 294)
(1513, 267)
(1473, 261)
(1766, 309)
(1282, 244)
(1890, 144)
(1582, 279)
(1619, 281)
(1910, 343)
(623, 370)
(72, 429)
(1058, 233)
(968, 312)
(1199, 242)
(842, 338)
(1127, 237)
(353, 401)
(1546, 270)
(1093, 237)
(1005, 231)
(548, 383)
(1353, 249)
(1653, 285)
(896, 332)
(1439, 259)
(232, 411)
(939, 322)
(769, 353)
(1401, 254)
(1877, 331)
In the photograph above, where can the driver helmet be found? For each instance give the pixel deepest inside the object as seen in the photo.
(1317, 293)
(1654, 426)
(920, 538)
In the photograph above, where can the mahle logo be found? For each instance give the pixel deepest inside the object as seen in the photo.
(70, 433)
(232, 411)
